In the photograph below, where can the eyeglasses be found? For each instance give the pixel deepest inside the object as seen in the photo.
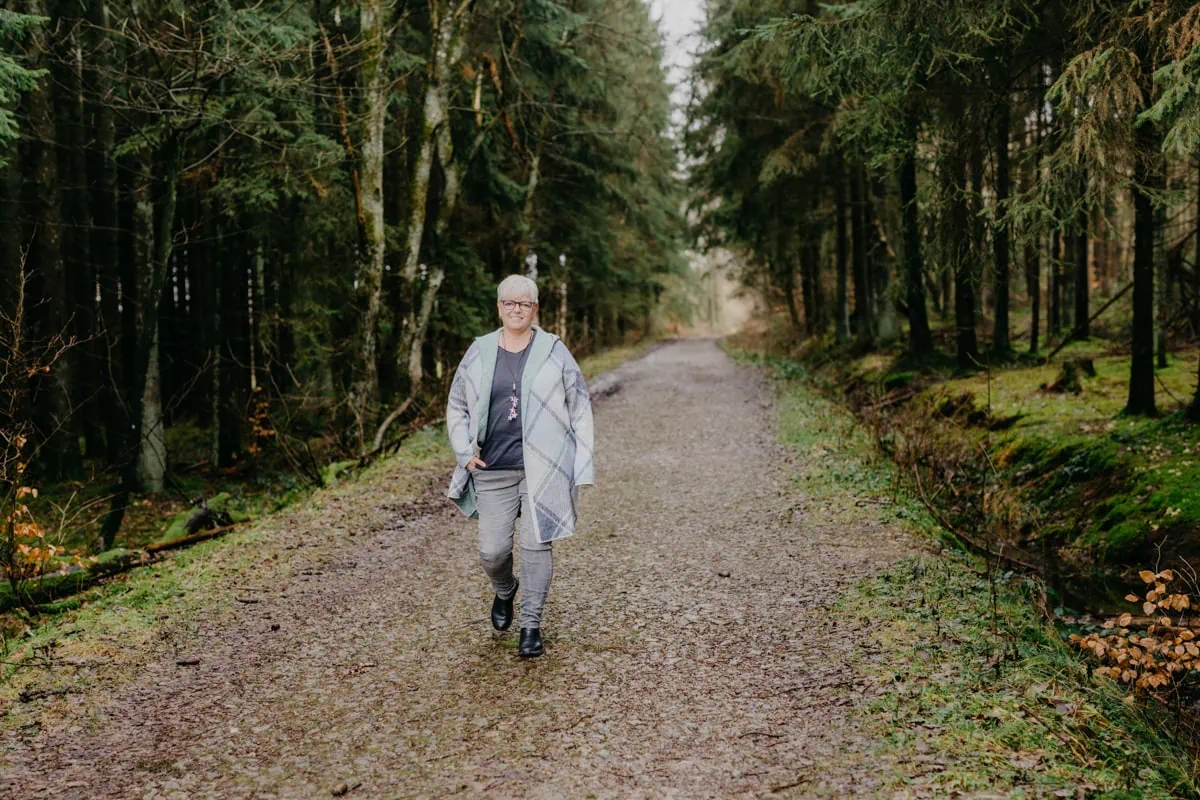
(509, 305)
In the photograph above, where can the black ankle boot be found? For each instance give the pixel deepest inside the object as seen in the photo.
(502, 610)
(531, 643)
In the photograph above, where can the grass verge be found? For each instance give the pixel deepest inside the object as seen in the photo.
(972, 692)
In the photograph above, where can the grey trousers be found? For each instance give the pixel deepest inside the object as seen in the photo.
(501, 495)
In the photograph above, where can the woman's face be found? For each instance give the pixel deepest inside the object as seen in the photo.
(516, 313)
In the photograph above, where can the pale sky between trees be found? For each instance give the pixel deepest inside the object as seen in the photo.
(680, 21)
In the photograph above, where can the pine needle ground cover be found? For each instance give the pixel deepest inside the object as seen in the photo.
(971, 692)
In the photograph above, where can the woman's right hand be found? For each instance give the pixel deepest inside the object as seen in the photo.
(475, 464)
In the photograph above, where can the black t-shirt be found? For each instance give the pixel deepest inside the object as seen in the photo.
(502, 447)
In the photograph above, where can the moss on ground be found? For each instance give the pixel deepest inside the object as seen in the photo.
(1106, 490)
(972, 692)
(977, 693)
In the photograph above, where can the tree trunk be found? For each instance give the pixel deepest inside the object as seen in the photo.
(1161, 281)
(920, 341)
(975, 256)
(364, 398)
(958, 233)
(83, 359)
(881, 256)
(1196, 266)
(234, 346)
(1147, 179)
(167, 163)
(1082, 277)
(446, 48)
(1066, 282)
(841, 307)
(151, 457)
(57, 422)
(102, 175)
(1053, 281)
(1000, 239)
(808, 266)
(1033, 248)
(863, 317)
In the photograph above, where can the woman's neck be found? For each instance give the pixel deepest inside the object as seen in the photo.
(515, 342)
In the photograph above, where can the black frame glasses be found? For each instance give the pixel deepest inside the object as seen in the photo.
(509, 305)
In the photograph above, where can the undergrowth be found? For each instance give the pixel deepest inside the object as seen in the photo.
(100, 637)
(972, 689)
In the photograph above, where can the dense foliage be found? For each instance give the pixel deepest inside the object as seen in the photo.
(885, 155)
(278, 221)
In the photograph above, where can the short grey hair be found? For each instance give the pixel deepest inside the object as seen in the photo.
(514, 286)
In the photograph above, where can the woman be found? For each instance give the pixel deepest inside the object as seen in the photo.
(520, 422)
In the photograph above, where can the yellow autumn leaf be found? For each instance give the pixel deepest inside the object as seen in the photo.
(1147, 576)
(1124, 620)
(1148, 608)
(1167, 575)
(1133, 598)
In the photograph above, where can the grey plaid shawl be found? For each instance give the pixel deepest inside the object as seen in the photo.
(556, 420)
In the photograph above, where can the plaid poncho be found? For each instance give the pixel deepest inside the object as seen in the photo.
(556, 422)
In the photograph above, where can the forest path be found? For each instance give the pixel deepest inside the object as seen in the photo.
(690, 647)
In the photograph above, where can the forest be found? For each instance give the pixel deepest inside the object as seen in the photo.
(248, 241)
(986, 213)
(926, 525)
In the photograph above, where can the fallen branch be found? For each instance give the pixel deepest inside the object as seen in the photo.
(187, 541)
(891, 400)
(1070, 338)
(387, 423)
(950, 528)
(29, 695)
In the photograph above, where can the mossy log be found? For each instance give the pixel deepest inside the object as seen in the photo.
(74, 578)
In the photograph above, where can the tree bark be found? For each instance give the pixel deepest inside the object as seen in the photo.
(53, 409)
(976, 255)
(369, 282)
(151, 457)
(1082, 277)
(1033, 248)
(808, 267)
(167, 162)
(1053, 281)
(881, 256)
(864, 317)
(1000, 239)
(1147, 178)
(83, 359)
(102, 174)
(446, 48)
(920, 341)
(958, 232)
(841, 308)
(233, 344)
(1162, 268)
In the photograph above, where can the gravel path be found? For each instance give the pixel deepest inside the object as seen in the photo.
(690, 652)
